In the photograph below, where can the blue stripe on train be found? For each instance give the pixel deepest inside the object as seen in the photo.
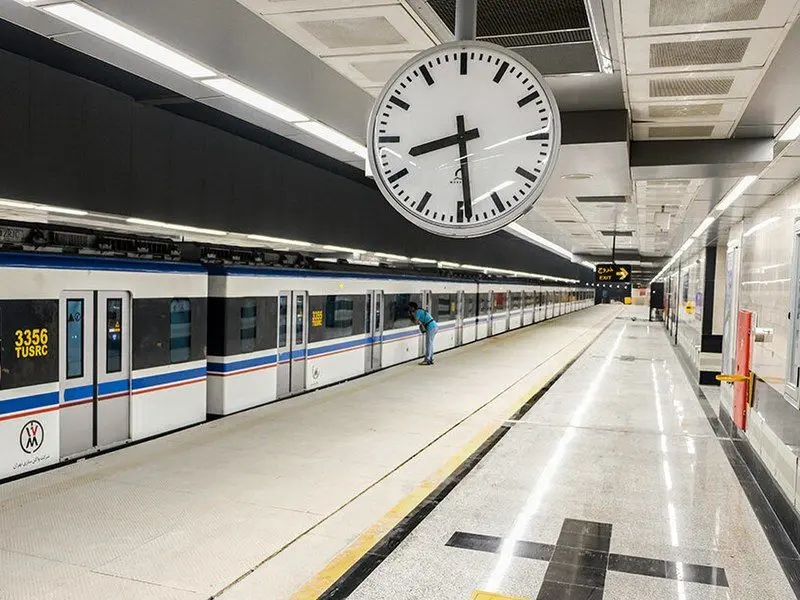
(248, 363)
(167, 378)
(24, 403)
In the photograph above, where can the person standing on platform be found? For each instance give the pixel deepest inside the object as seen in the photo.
(427, 325)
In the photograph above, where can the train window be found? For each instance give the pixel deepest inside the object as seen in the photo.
(299, 317)
(470, 305)
(248, 316)
(483, 303)
(335, 317)
(516, 300)
(283, 310)
(74, 339)
(396, 310)
(499, 302)
(113, 335)
(180, 330)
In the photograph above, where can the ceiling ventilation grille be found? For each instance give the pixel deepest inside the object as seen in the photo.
(699, 52)
(617, 233)
(503, 17)
(601, 199)
(377, 70)
(686, 131)
(541, 39)
(671, 111)
(690, 86)
(666, 13)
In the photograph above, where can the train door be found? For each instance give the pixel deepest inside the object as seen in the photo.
(374, 330)
(459, 318)
(292, 342)
(94, 370)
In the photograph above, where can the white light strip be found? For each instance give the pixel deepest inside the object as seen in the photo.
(390, 256)
(735, 193)
(332, 136)
(42, 207)
(423, 260)
(539, 240)
(589, 265)
(121, 35)
(446, 264)
(703, 226)
(792, 131)
(257, 100)
(761, 225)
(172, 226)
(277, 240)
(344, 249)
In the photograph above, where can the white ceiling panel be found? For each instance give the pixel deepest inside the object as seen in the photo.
(269, 7)
(787, 167)
(359, 30)
(682, 131)
(768, 187)
(700, 52)
(693, 86)
(687, 110)
(661, 17)
(370, 70)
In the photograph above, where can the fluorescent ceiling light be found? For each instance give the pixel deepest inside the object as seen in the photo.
(792, 131)
(277, 240)
(344, 249)
(186, 228)
(423, 260)
(42, 207)
(589, 265)
(761, 225)
(326, 260)
(121, 35)
(257, 100)
(735, 193)
(704, 225)
(452, 265)
(332, 136)
(473, 267)
(539, 240)
(390, 256)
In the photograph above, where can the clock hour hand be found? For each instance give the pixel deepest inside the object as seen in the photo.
(464, 160)
(445, 142)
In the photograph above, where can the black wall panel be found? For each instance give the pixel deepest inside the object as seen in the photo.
(68, 141)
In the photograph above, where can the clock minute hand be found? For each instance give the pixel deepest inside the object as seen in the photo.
(445, 142)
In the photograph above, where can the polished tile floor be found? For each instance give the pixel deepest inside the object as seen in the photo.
(612, 486)
(279, 490)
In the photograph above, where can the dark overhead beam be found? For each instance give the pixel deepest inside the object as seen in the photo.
(594, 127)
(700, 159)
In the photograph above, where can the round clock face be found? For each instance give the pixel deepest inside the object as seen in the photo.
(463, 139)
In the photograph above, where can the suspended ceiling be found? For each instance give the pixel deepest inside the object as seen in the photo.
(684, 70)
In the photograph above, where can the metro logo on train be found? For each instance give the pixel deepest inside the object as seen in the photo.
(612, 272)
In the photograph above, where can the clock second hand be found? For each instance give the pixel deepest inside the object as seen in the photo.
(464, 159)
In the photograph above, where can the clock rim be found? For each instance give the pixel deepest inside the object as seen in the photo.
(480, 229)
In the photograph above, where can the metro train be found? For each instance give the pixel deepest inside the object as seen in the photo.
(98, 352)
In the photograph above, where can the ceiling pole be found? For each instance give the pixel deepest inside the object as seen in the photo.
(466, 20)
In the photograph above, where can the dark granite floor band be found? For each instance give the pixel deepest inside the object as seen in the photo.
(579, 561)
(774, 514)
(355, 575)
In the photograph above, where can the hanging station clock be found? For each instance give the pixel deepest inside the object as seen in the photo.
(463, 138)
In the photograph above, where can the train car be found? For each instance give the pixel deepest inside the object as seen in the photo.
(96, 352)
(278, 332)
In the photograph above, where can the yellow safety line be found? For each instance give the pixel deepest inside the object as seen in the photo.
(337, 567)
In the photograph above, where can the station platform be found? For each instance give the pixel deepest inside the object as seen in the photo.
(571, 459)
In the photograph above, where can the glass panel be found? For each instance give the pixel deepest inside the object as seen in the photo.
(248, 318)
(299, 319)
(74, 339)
(113, 335)
(378, 305)
(484, 304)
(283, 309)
(180, 330)
(499, 302)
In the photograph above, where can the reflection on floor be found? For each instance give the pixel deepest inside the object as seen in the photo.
(612, 486)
